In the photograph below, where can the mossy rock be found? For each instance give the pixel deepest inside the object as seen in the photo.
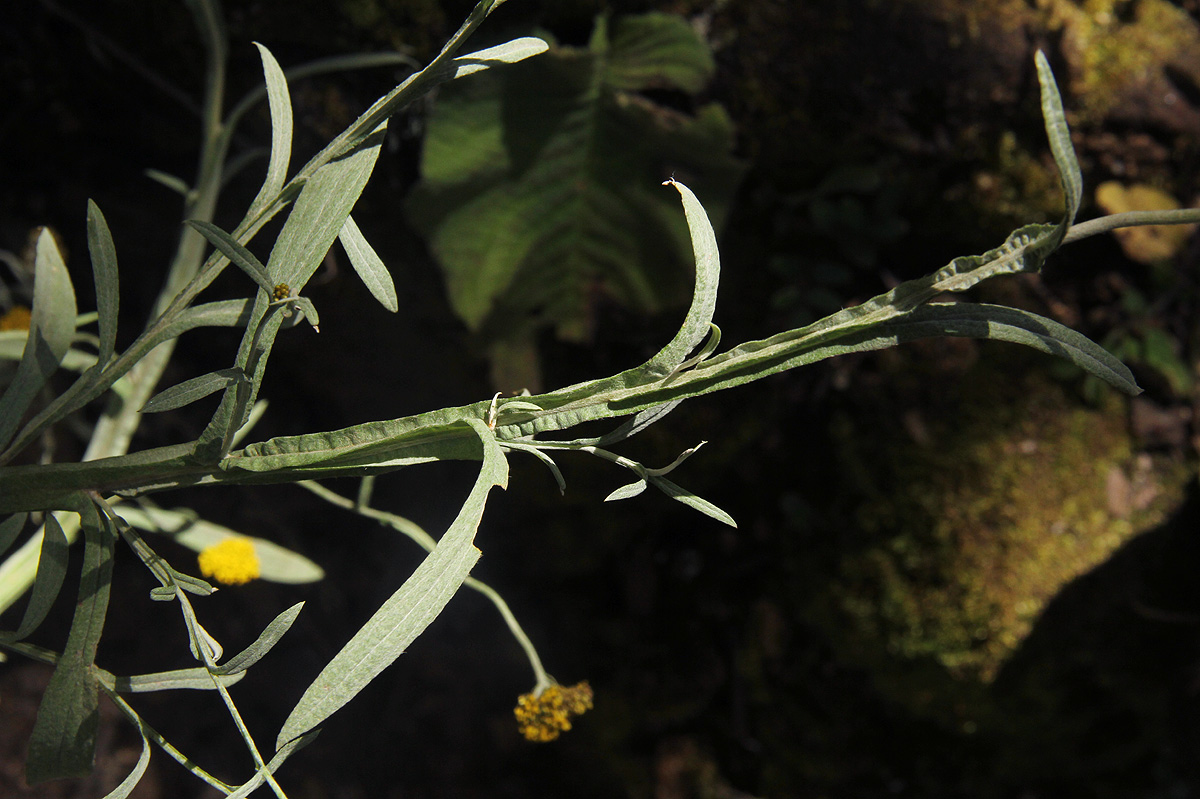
(966, 533)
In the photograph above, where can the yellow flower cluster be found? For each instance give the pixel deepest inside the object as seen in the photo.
(233, 561)
(543, 717)
(17, 318)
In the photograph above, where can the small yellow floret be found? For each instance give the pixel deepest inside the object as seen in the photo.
(543, 717)
(16, 318)
(233, 561)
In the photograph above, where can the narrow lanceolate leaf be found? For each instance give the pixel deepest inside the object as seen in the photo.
(691, 500)
(507, 53)
(320, 212)
(368, 265)
(627, 491)
(238, 255)
(197, 679)
(545, 459)
(104, 272)
(263, 644)
(1060, 142)
(318, 215)
(63, 741)
(998, 322)
(281, 130)
(223, 313)
(407, 613)
(172, 182)
(697, 324)
(52, 568)
(189, 391)
(51, 326)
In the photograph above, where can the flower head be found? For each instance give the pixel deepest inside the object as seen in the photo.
(544, 716)
(233, 561)
(16, 318)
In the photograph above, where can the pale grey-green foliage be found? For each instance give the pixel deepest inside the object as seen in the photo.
(321, 196)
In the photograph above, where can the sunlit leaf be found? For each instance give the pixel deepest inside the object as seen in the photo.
(51, 570)
(681, 494)
(263, 644)
(369, 266)
(281, 129)
(187, 392)
(238, 255)
(51, 327)
(196, 679)
(407, 613)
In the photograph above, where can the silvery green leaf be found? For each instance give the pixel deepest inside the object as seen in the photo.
(189, 391)
(1001, 323)
(368, 265)
(304, 306)
(51, 569)
(195, 679)
(51, 327)
(1060, 140)
(320, 212)
(681, 494)
(130, 782)
(407, 613)
(223, 313)
(63, 740)
(283, 754)
(627, 491)
(321, 66)
(175, 184)
(104, 272)
(544, 458)
(507, 53)
(263, 644)
(238, 255)
(281, 130)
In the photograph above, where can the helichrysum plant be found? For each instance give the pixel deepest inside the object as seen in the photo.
(105, 496)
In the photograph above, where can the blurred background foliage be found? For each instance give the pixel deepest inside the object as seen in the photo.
(960, 570)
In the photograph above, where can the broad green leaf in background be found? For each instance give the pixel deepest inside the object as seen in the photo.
(51, 327)
(540, 182)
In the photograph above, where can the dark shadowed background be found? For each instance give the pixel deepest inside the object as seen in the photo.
(959, 570)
